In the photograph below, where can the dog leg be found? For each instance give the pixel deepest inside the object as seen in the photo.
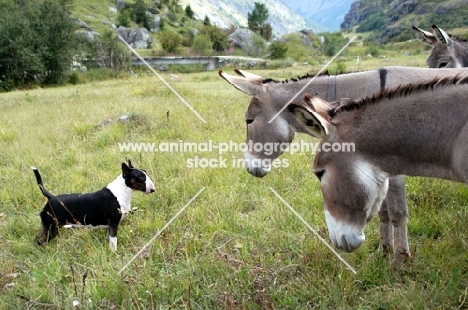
(49, 227)
(41, 237)
(113, 236)
(113, 243)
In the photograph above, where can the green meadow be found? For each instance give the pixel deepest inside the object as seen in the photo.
(235, 246)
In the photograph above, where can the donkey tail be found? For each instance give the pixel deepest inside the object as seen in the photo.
(45, 192)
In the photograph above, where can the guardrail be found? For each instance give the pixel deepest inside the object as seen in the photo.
(209, 63)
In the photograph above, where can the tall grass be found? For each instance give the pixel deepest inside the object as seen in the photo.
(235, 247)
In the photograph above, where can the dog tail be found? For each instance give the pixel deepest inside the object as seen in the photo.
(45, 192)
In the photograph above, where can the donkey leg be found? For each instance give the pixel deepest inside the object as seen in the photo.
(386, 228)
(398, 213)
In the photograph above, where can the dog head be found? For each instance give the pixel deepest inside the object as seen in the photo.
(137, 179)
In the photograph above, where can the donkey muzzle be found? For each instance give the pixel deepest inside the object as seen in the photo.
(346, 237)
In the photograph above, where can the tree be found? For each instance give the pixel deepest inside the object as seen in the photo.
(37, 42)
(139, 14)
(256, 20)
(206, 21)
(189, 12)
(217, 37)
(109, 52)
(266, 31)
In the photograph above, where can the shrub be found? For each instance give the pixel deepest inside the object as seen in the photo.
(333, 43)
(372, 50)
(170, 40)
(202, 45)
(37, 42)
(278, 50)
(217, 37)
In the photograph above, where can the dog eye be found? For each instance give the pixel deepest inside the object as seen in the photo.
(141, 176)
(319, 174)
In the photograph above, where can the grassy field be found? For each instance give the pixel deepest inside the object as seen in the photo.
(236, 246)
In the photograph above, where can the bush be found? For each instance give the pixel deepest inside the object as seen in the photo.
(339, 68)
(37, 42)
(278, 50)
(123, 19)
(202, 45)
(217, 37)
(187, 36)
(170, 41)
(372, 50)
(333, 43)
(257, 48)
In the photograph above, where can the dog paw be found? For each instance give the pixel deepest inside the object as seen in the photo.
(113, 243)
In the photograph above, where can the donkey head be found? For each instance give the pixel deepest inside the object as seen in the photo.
(269, 132)
(447, 51)
(352, 189)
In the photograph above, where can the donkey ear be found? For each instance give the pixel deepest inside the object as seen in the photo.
(244, 84)
(314, 124)
(249, 76)
(424, 36)
(441, 35)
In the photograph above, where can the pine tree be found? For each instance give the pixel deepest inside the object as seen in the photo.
(257, 20)
(189, 12)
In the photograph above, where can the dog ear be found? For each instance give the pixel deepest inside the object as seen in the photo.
(130, 163)
(125, 169)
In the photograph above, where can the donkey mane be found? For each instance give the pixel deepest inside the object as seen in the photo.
(458, 39)
(270, 80)
(398, 92)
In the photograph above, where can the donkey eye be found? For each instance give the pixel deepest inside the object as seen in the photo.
(249, 121)
(443, 64)
(319, 174)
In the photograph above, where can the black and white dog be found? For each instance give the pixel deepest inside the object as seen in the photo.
(107, 206)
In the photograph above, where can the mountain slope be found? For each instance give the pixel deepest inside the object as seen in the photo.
(391, 20)
(225, 13)
(329, 14)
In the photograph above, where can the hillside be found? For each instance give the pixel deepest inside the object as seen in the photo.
(225, 13)
(388, 20)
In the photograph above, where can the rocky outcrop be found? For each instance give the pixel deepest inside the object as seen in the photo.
(389, 33)
(446, 8)
(136, 37)
(354, 16)
(401, 9)
(388, 21)
(241, 37)
(305, 36)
